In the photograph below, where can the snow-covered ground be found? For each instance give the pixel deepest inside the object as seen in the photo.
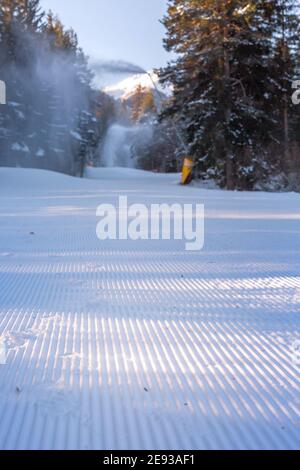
(126, 345)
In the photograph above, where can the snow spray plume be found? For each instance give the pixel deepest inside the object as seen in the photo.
(118, 145)
(46, 96)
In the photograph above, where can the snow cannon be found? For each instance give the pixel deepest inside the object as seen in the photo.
(187, 170)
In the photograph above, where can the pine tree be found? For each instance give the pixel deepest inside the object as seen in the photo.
(159, 152)
(148, 106)
(137, 102)
(285, 57)
(223, 81)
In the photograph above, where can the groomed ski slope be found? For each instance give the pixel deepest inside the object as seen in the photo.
(134, 345)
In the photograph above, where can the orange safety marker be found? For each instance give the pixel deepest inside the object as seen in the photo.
(187, 170)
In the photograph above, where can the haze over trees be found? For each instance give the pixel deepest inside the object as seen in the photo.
(54, 119)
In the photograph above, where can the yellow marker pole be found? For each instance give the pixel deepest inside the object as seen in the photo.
(187, 170)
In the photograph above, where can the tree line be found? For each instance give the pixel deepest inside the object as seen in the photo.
(53, 119)
(235, 64)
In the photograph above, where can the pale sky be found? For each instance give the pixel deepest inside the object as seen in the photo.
(126, 30)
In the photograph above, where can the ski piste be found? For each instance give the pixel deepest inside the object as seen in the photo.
(139, 344)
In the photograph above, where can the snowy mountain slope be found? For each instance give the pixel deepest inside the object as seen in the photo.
(128, 345)
(126, 88)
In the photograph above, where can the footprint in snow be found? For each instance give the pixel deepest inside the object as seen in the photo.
(16, 340)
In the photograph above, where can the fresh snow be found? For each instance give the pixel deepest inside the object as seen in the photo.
(76, 135)
(20, 147)
(40, 153)
(121, 173)
(129, 345)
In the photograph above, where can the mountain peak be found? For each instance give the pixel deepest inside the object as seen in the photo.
(126, 88)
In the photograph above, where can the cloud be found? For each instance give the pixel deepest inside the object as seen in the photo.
(115, 67)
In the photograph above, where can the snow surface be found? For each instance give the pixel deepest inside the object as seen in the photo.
(128, 345)
(119, 174)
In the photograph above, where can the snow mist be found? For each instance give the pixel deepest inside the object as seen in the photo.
(118, 148)
(47, 93)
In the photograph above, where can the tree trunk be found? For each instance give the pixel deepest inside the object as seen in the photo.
(286, 135)
(229, 172)
(286, 130)
(227, 146)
